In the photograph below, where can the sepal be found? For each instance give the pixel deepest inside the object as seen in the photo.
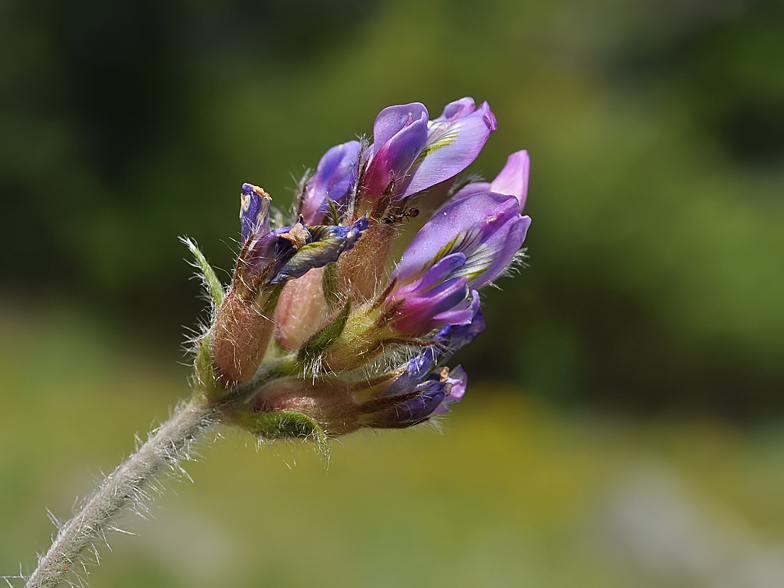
(329, 285)
(240, 335)
(319, 343)
(205, 384)
(284, 424)
(211, 280)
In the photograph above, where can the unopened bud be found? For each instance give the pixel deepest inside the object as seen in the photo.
(239, 339)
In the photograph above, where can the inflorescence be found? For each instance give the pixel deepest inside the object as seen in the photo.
(345, 318)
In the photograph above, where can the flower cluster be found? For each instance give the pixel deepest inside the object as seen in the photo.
(345, 318)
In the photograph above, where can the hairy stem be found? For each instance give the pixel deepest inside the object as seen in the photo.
(123, 488)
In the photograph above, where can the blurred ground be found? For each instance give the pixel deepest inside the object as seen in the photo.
(513, 493)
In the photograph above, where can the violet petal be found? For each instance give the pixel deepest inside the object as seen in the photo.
(451, 338)
(334, 176)
(452, 144)
(416, 315)
(513, 179)
(457, 109)
(457, 381)
(485, 227)
(400, 134)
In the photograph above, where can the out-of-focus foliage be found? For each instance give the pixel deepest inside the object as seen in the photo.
(656, 130)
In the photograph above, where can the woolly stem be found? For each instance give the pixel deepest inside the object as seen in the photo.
(123, 488)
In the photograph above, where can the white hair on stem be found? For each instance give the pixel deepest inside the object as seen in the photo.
(128, 486)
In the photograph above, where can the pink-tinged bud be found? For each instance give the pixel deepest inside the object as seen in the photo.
(360, 271)
(302, 310)
(239, 340)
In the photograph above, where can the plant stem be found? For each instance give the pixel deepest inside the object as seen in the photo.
(123, 488)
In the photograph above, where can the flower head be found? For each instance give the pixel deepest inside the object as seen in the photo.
(321, 331)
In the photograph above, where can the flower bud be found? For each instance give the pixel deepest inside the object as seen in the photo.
(240, 336)
(302, 310)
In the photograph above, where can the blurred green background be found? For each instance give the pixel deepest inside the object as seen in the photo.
(624, 421)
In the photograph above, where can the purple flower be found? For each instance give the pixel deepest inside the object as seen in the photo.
(417, 154)
(422, 389)
(418, 402)
(445, 344)
(424, 400)
(454, 140)
(481, 234)
(467, 243)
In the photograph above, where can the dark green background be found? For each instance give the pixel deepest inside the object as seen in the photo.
(656, 131)
(647, 335)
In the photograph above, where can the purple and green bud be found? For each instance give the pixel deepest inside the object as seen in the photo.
(327, 243)
(307, 340)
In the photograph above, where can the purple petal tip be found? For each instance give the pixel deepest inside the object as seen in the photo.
(488, 117)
